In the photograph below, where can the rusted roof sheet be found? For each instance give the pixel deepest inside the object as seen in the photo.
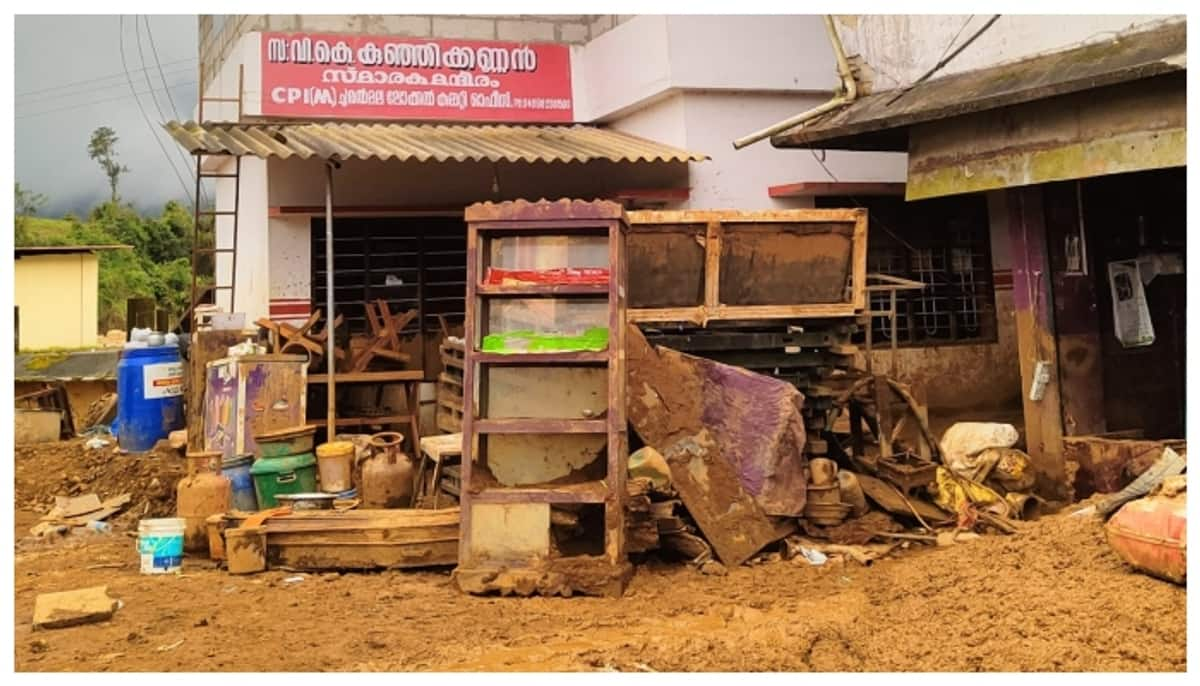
(424, 142)
(870, 123)
(564, 209)
(79, 365)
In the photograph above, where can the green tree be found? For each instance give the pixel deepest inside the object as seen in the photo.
(103, 149)
(26, 204)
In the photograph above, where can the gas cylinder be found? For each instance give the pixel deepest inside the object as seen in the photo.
(202, 493)
(387, 475)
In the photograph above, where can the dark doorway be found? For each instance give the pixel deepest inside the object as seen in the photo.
(1127, 217)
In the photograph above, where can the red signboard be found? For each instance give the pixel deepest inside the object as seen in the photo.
(310, 75)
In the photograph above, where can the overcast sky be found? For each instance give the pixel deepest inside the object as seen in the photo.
(70, 80)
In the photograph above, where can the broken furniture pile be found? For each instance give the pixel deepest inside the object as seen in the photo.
(732, 445)
(379, 349)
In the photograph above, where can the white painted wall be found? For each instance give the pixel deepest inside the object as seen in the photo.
(900, 48)
(653, 56)
(696, 82)
(291, 259)
(740, 178)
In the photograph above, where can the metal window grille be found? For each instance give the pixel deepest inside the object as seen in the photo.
(411, 263)
(944, 243)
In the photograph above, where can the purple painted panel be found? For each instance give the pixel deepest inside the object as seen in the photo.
(220, 409)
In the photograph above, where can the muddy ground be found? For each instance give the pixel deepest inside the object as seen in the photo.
(1052, 597)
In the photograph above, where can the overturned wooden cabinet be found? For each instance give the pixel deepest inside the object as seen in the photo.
(544, 434)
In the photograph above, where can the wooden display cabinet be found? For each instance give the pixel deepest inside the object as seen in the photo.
(544, 432)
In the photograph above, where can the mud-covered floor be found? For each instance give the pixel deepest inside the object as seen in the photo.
(1052, 597)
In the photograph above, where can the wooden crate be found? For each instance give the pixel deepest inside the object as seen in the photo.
(450, 387)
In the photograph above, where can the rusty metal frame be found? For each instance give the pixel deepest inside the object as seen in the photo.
(717, 223)
(890, 285)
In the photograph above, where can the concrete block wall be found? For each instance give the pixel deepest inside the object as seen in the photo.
(218, 33)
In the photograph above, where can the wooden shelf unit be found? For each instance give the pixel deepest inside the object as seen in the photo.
(548, 572)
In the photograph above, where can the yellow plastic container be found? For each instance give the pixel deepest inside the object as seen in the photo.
(335, 465)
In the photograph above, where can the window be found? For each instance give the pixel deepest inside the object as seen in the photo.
(944, 243)
(412, 263)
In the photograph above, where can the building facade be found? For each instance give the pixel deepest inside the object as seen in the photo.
(56, 291)
(691, 82)
(1072, 131)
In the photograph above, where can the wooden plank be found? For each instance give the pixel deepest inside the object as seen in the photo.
(206, 347)
(580, 357)
(729, 517)
(712, 264)
(858, 257)
(1032, 301)
(540, 426)
(319, 557)
(586, 492)
(471, 338)
(365, 421)
(823, 216)
(883, 415)
(889, 498)
(371, 377)
(536, 290)
(701, 315)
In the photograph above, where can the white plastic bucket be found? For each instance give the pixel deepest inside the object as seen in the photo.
(160, 544)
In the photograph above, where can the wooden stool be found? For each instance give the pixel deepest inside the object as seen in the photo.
(434, 448)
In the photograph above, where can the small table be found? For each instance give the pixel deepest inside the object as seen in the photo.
(409, 378)
(434, 448)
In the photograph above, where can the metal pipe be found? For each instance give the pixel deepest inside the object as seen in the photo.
(849, 86)
(789, 123)
(331, 365)
(848, 94)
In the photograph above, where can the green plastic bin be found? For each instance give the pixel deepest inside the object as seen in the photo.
(285, 474)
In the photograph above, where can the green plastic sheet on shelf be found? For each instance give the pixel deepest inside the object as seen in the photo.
(509, 342)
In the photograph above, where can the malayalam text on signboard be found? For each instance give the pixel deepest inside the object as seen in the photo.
(382, 77)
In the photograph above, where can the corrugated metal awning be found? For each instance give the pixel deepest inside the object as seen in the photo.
(874, 122)
(424, 142)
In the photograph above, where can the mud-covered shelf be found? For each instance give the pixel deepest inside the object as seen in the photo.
(543, 399)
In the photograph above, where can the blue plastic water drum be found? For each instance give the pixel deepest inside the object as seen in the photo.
(237, 470)
(149, 396)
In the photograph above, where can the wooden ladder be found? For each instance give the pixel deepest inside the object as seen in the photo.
(198, 292)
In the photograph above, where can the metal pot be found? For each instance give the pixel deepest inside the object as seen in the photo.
(307, 501)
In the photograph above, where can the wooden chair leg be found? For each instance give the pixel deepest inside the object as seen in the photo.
(419, 484)
(414, 418)
(437, 480)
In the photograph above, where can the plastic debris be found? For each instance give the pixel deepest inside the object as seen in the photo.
(815, 557)
(97, 442)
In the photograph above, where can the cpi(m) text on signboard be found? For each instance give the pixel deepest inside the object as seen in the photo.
(381, 77)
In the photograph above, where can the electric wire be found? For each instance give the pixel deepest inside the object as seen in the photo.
(91, 103)
(95, 88)
(187, 163)
(85, 82)
(124, 64)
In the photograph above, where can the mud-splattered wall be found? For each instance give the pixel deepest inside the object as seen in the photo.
(970, 376)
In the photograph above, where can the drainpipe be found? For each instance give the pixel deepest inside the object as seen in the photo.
(847, 93)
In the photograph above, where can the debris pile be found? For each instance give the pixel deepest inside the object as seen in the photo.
(727, 478)
(48, 471)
